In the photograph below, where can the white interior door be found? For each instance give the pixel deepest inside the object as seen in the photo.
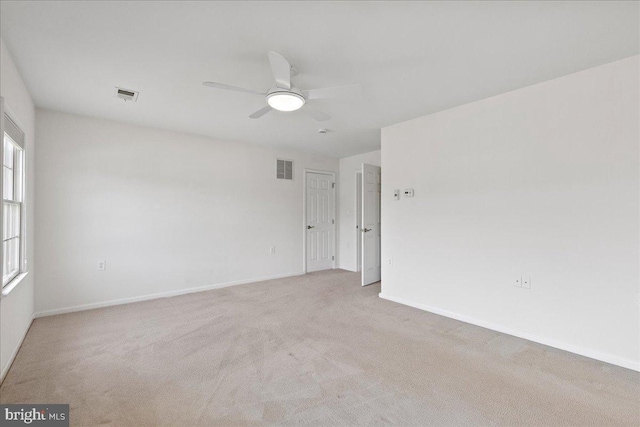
(358, 221)
(371, 180)
(320, 226)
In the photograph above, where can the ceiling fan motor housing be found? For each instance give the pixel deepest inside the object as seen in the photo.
(285, 99)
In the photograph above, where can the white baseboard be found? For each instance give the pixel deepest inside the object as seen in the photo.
(7, 366)
(167, 294)
(603, 357)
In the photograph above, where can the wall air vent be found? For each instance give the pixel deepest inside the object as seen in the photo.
(284, 169)
(126, 94)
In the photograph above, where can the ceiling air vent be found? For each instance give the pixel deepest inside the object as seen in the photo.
(126, 94)
(284, 169)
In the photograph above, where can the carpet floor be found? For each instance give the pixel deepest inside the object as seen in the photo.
(316, 350)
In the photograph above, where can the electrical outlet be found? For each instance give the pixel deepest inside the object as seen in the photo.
(102, 265)
(526, 282)
(272, 250)
(518, 283)
(390, 262)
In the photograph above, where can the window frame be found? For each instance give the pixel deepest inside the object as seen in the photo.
(7, 114)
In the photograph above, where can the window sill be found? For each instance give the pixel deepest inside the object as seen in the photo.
(12, 284)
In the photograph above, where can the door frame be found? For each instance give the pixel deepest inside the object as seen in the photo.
(304, 216)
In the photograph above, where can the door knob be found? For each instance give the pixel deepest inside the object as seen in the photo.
(364, 230)
(309, 227)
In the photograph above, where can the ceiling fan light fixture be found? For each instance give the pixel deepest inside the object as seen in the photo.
(285, 101)
(286, 97)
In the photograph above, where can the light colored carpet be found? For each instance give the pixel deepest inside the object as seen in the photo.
(315, 349)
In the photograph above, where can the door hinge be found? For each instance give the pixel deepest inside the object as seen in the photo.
(333, 258)
(333, 221)
(333, 185)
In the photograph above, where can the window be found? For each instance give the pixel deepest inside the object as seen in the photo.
(13, 198)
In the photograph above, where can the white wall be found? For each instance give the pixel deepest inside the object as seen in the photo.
(16, 308)
(347, 202)
(167, 211)
(541, 181)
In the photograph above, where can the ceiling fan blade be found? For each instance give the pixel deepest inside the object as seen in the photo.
(281, 70)
(316, 114)
(233, 88)
(332, 92)
(261, 112)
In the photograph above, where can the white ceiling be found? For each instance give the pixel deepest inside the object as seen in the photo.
(412, 59)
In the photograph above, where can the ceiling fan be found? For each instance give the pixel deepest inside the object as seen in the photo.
(286, 97)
